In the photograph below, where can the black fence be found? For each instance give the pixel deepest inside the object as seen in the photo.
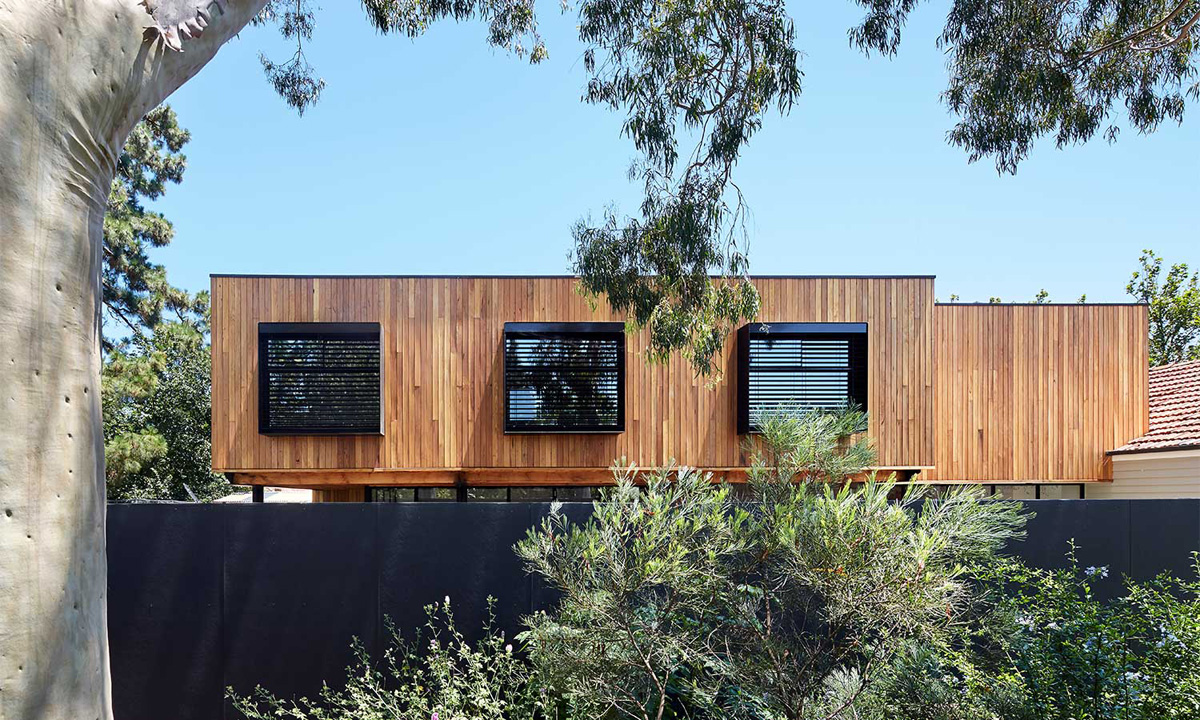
(202, 597)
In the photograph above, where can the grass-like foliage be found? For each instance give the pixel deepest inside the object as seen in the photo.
(437, 676)
(680, 600)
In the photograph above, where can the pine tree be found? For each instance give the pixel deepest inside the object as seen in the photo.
(135, 289)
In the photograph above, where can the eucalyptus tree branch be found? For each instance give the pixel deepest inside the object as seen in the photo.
(1131, 40)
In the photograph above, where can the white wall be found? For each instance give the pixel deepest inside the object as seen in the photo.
(1173, 474)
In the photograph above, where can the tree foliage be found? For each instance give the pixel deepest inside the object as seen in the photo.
(695, 79)
(1021, 70)
(678, 601)
(155, 381)
(135, 289)
(156, 400)
(700, 72)
(1173, 303)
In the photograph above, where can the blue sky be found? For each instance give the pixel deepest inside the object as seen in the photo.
(445, 156)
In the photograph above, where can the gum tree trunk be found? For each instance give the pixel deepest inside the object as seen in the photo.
(75, 75)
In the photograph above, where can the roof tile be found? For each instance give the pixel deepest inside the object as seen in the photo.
(1174, 409)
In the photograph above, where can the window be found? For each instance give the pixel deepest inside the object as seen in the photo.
(391, 494)
(564, 377)
(517, 494)
(319, 379)
(783, 366)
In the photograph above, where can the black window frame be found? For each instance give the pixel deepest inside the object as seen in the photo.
(308, 330)
(614, 331)
(857, 367)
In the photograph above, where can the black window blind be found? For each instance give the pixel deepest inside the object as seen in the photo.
(786, 367)
(319, 378)
(564, 377)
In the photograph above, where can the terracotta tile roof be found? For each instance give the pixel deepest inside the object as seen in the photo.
(1174, 410)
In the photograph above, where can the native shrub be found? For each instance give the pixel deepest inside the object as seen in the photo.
(1047, 646)
(437, 676)
(677, 600)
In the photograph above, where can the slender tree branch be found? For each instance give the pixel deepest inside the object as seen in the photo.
(1132, 38)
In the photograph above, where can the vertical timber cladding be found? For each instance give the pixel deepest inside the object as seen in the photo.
(1037, 392)
(443, 373)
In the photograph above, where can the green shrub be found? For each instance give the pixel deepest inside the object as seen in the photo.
(439, 676)
(1134, 658)
(677, 601)
(1047, 647)
(832, 595)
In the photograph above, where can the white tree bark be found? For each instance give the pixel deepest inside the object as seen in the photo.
(75, 76)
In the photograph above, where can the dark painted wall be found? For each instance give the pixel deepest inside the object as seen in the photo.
(207, 596)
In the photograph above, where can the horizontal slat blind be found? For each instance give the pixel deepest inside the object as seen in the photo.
(564, 380)
(319, 378)
(789, 370)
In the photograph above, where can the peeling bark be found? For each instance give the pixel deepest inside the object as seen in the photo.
(75, 76)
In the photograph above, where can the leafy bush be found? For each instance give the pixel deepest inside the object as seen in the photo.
(439, 676)
(1079, 657)
(832, 595)
(1048, 647)
(678, 601)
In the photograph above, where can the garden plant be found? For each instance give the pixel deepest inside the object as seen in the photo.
(1047, 645)
(682, 599)
(815, 591)
(438, 675)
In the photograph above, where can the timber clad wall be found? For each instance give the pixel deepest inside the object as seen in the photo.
(443, 355)
(1037, 392)
(982, 392)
